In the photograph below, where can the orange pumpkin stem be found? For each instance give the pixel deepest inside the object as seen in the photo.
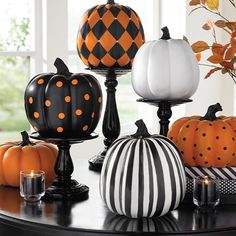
(166, 33)
(211, 112)
(142, 131)
(62, 69)
(25, 139)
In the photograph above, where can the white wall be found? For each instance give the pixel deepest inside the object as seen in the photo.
(217, 88)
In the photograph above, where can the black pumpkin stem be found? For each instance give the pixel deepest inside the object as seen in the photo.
(166, 33)
(62, 69)
(25, 139)
(142, 131)
(211, 112)
(110, 2)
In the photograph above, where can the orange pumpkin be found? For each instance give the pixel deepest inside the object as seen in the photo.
(207, 141)
(26, 156)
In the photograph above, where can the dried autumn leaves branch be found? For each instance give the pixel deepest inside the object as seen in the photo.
(223, 56)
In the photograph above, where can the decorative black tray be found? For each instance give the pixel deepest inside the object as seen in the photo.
(37, 136)
(171, 102)
(104, 71)
(164, 112)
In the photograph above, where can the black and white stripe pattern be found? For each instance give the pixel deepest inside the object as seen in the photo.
(167, 223)
(142, 177)
(227, 173)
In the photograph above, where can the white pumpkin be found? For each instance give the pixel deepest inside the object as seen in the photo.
(165, 69)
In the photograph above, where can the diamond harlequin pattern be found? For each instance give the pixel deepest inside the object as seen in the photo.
(109, 36)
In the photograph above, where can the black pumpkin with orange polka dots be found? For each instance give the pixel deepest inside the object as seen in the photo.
(62, 104)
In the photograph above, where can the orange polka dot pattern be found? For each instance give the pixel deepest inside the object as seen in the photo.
(67, 99)
(36, 115)
(63, 106)
(59, 129)
(86, 97)
(74, 81)
(78, 112)
(59, 84)
(61, 116)
(31, 100)
(48, 103)
(40, 81)
(85, 128)
(109, 36)
(205, 143)
(100, 100)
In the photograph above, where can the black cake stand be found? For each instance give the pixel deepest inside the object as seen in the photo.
(111, 122)
(63, 187)
(164, 112)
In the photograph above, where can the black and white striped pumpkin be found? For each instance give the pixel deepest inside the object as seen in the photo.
(142, 175)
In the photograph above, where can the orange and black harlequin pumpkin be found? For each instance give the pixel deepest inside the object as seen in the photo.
(63, 105)
(109, 36)
(207, 141)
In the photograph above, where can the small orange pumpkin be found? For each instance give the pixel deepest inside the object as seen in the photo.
(26, 156)
(207, 141)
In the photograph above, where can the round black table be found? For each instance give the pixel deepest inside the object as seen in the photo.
(91, 217)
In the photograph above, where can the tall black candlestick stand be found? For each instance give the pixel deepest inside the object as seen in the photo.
(164, 112)
(63, 187)
(111, 122)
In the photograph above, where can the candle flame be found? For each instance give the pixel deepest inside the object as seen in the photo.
(206, 180)
(31, 173)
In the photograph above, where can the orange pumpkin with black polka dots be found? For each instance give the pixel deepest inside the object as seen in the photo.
(207, 141)
(63, 104)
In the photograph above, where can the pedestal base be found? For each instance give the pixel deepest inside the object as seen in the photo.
(63, 187)
(164, 112)
(72, 192)
(96, 162)
(111, 122)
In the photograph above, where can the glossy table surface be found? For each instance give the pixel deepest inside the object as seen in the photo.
(93, 218)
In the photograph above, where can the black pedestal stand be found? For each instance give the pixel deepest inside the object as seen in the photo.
(111, 122)
(164, 112)
(63, 187)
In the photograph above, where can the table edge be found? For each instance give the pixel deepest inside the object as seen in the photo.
(33, 226)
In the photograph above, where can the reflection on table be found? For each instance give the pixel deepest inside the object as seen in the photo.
(93, 215)
(167, 223)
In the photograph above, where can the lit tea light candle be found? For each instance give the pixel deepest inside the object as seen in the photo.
(32, 185)
(206, 192)
(206, 181)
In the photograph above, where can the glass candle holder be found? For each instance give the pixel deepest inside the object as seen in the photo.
(32, 185)
(206, 194)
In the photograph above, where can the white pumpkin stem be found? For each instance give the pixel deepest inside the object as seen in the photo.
(211, 112)
(166, 33)
(142, 131)
(25, 139)
(62, 69)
